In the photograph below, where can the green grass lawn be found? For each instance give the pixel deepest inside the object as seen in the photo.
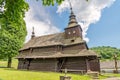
(3, 63)
(14, 74)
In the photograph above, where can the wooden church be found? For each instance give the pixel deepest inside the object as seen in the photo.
(57, 52)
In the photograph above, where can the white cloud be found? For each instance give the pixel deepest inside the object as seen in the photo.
(40, 19)
(86, 12)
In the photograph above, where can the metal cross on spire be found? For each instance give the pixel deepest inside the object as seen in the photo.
(33, 28)
(70, 5)
(33, 33)
(72, 17)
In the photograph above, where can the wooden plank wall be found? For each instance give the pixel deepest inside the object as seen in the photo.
(78, 32)
(75, 47)
(76, 63)
(94, 65)
(20, 63)
(43, 65)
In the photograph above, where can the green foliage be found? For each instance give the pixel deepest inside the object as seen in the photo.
(107, 52)
(13, 27)
(52, 2)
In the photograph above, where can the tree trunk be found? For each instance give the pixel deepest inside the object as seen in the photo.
(9, 62)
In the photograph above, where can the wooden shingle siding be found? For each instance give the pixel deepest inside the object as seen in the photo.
(75, 47)
(25, 52)
(53, 48)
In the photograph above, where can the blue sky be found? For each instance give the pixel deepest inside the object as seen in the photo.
(106, 32)
(101, 20)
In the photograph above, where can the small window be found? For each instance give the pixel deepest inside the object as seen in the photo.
(69, 33)
(74, 32)
(72, 40)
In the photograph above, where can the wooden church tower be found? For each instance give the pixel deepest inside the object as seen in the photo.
(74, 29)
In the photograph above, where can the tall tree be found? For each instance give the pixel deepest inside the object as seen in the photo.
(13, 27)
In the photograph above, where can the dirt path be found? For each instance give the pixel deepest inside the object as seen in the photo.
(113, 78)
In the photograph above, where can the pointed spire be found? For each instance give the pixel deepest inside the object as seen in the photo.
(72, 17)
(33, 33)
(70, 5)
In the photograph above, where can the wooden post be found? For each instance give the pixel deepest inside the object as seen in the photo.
(65, 77)
(65, 72)
(115, 59)
(88, 65)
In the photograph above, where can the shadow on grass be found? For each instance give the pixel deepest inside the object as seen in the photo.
(6, 68)
(3, 67)
(103, 76)
(22, 70)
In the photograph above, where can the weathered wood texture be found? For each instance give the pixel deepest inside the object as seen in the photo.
(58, 51)
(75, 63)
(73, 32)
(43, 65)
(94, 65)
(75, 47)
(38, 64)
(23, 64)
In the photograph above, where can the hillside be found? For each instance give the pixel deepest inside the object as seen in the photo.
(107, 52)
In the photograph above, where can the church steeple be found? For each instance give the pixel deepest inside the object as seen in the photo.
(73, 30)
(33, 33)
(72, 18)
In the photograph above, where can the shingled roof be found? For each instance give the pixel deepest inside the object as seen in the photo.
(55, 54)
(50, 40)
(46, 40)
